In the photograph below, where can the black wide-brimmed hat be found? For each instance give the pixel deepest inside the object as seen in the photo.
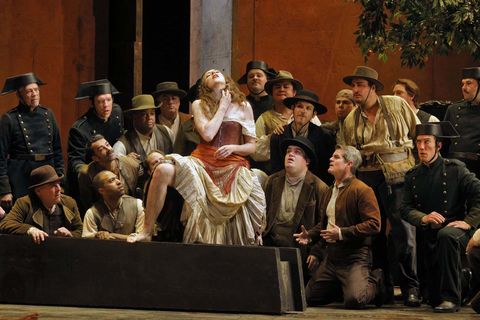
(283, 75)
(142, 102)
(308, 96)
(473, 73)
(257, 64)
(365, 73)
(43, 175)
(169, 87)
(442, 129)
(305, 144)
(95, 88)
(14, 83)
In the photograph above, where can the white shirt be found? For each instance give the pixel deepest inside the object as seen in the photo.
(171, 128)
(148, 144)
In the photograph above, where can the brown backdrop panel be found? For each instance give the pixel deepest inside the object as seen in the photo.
(55, 39)
(314, 40)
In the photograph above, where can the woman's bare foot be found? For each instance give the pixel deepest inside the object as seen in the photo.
(142, 236)
(31, 316)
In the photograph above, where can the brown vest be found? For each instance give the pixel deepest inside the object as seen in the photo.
(126, 219)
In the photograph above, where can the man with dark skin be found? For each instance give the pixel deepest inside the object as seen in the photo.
(115, 216)
(146, 135)
(104, 158)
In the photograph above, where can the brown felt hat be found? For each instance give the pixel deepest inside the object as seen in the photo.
(283, 75)
(142, 102)
(169, 87)
(365, 73)
(43, 175)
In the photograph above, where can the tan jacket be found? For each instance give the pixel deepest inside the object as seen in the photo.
(27, 213)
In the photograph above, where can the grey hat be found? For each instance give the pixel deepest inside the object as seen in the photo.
(365, 73)
(346, 93)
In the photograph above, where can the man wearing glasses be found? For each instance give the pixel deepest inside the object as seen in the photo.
(29, 138)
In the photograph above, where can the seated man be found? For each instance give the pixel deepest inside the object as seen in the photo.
(45, 211)
(350, 217)
(127, 169)
(293, 198)
(305, 107)
(436, 192)
(116, 215)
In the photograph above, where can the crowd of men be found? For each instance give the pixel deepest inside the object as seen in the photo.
(330, 189)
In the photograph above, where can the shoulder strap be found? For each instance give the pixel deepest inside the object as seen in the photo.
(357, 120)
(388, 119)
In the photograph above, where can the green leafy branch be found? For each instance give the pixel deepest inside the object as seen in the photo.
(418, 29)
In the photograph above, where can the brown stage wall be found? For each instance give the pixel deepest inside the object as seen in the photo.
(55, 39)
(314, 40)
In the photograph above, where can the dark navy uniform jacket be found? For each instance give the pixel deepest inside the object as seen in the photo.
(466, 119)
(28, 140)
(444, 188)
(80, 133)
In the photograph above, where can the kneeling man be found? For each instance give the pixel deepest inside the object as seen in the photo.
(45, 211)
(115, 216)
(350, 217)
(436, 192)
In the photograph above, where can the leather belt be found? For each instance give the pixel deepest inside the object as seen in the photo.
(465, 155)
(371, 160)
(32, 157)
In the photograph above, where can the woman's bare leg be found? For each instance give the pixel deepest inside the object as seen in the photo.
(163, 177)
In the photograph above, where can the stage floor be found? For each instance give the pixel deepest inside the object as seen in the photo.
(334, 311)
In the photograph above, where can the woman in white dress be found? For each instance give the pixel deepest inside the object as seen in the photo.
(224, 202)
